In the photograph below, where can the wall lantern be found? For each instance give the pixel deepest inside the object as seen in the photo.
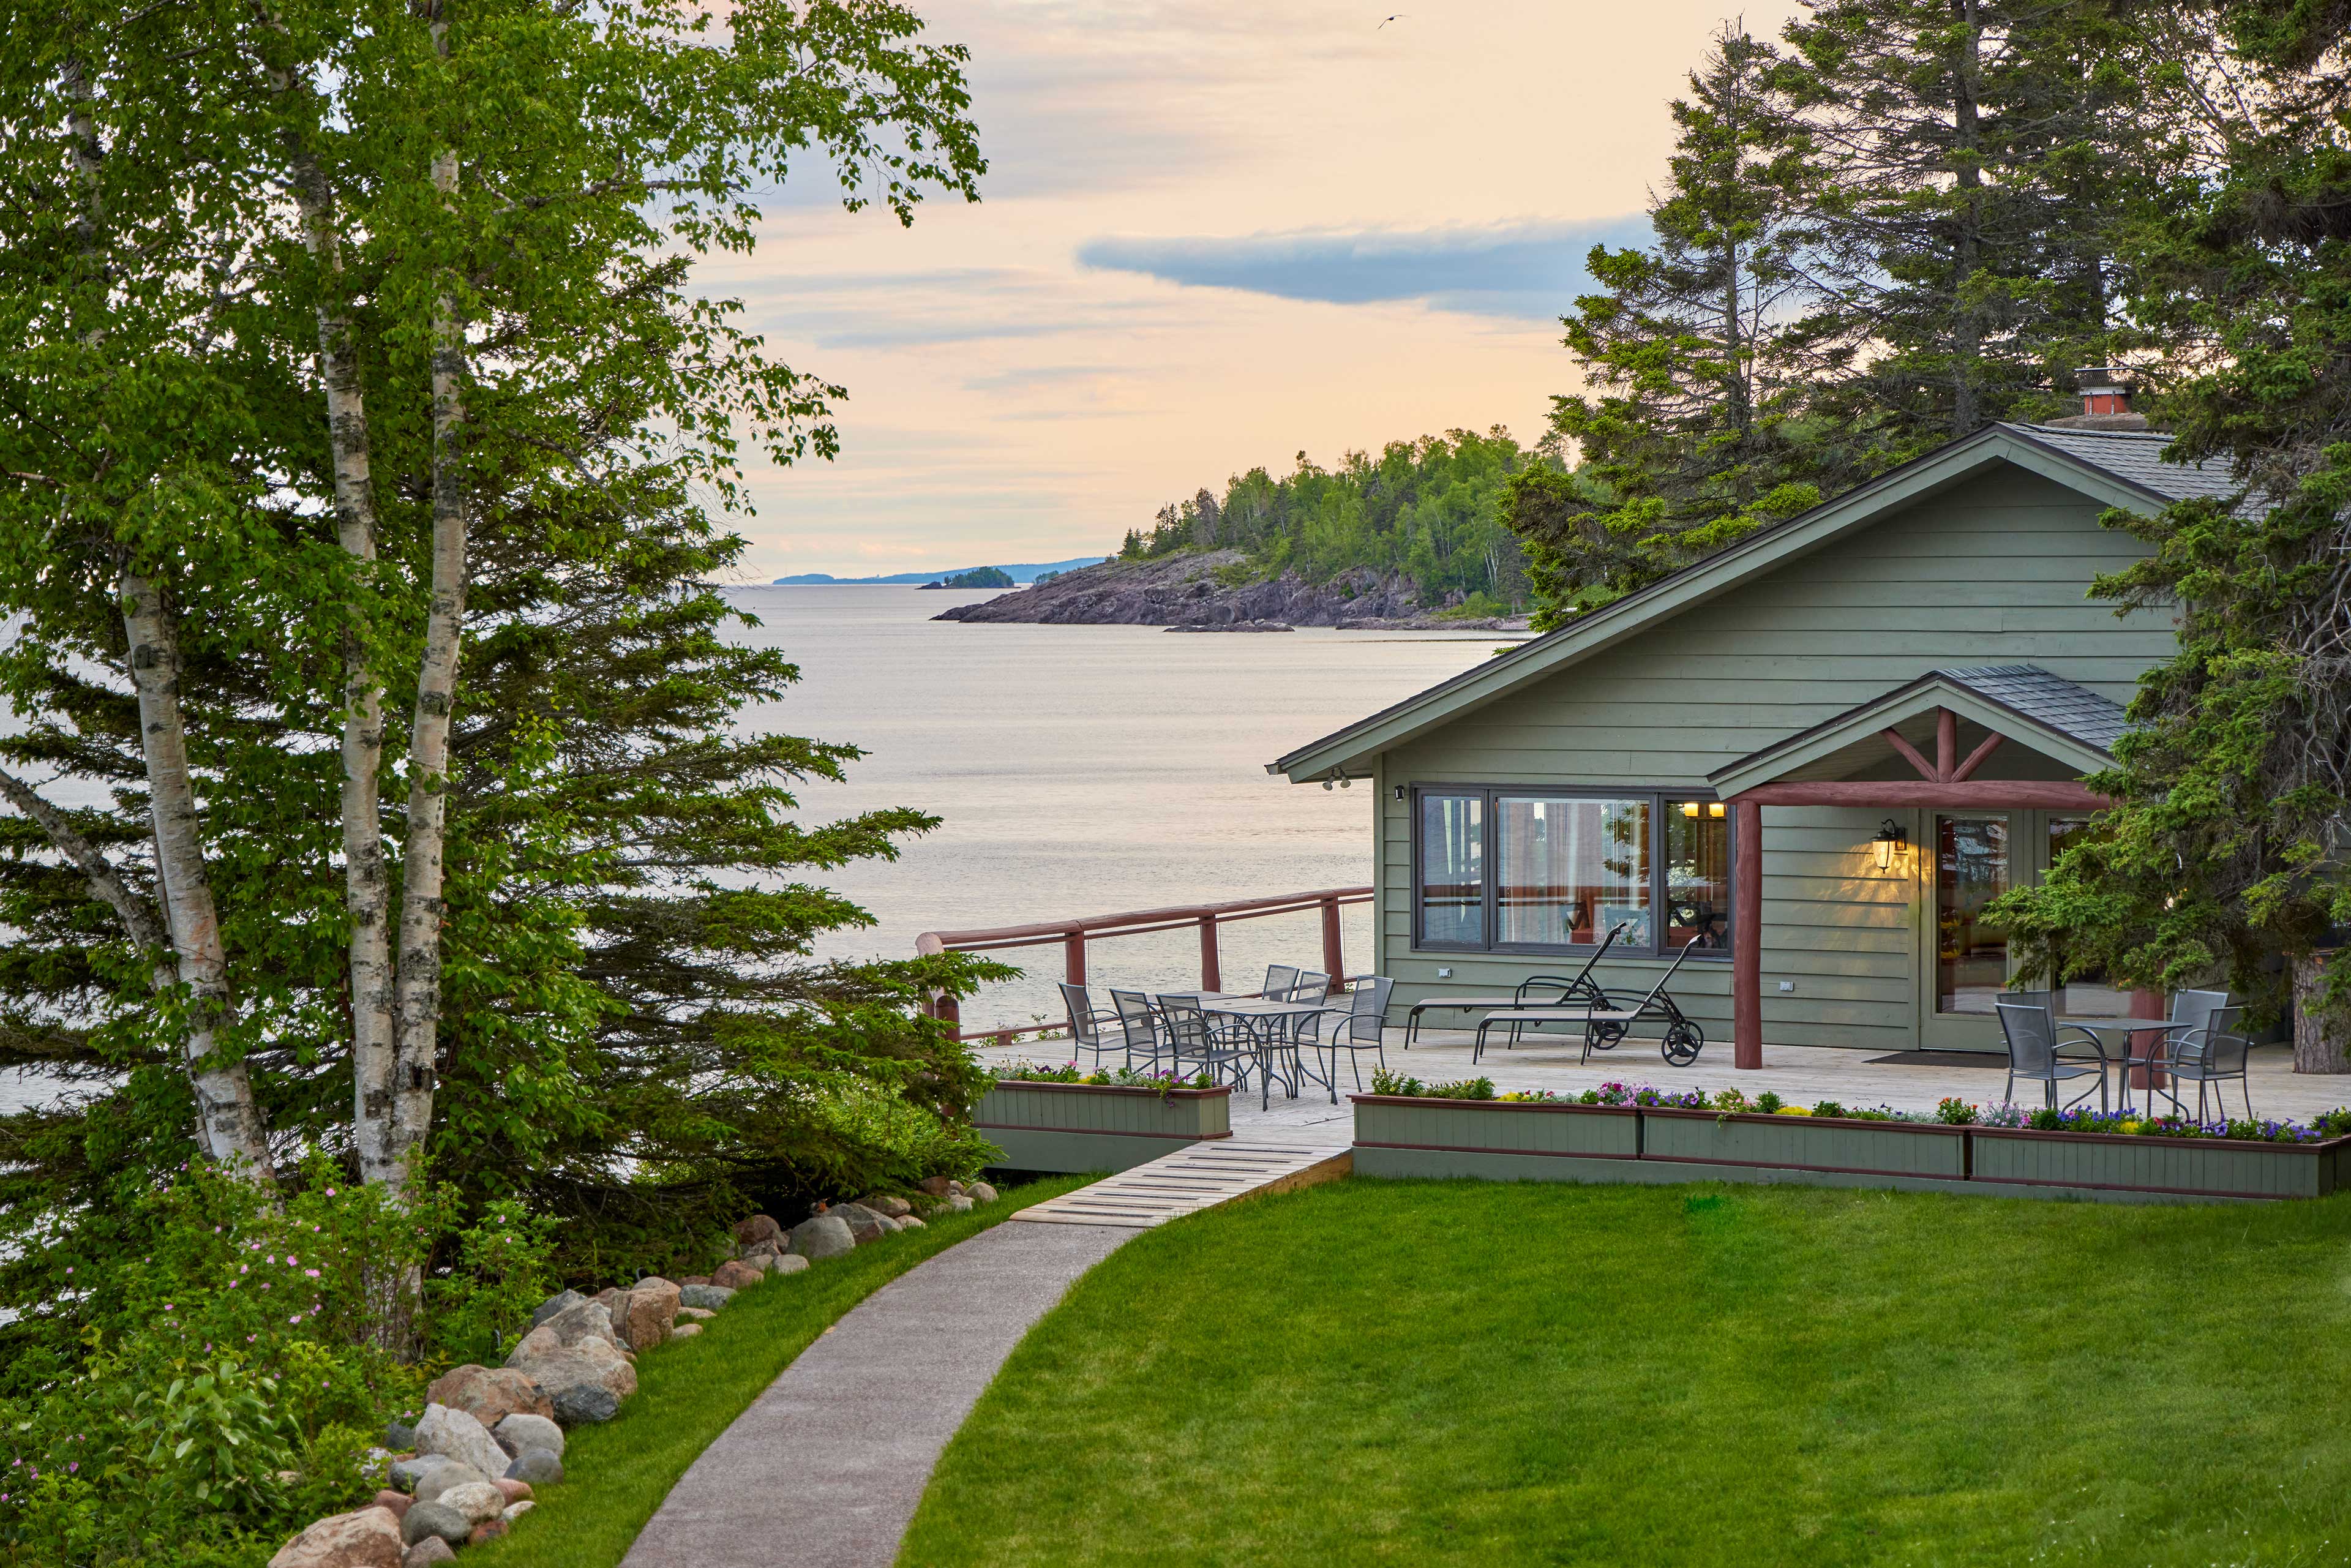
(1399, 791)
(1714, 808)
(1889, 839)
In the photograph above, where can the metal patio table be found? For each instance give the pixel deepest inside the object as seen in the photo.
(2128, 1029)
(1269, 1024)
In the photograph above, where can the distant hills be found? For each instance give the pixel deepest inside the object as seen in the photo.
(1028, 572)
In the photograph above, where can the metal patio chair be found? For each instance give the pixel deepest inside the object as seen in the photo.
(1086, 1021)
(1198, 1043)
(1313, 986)
(2210, 1053)
(1280, 979)
(1355, 1029)
(1683, 1038)
(1579, 989)
(2035, 1054)
(1139, 1023)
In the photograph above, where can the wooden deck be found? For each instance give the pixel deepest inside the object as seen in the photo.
(1198, 1177)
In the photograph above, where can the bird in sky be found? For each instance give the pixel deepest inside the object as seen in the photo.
(1399, 16)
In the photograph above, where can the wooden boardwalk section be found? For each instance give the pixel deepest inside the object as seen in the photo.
(1197, 1177)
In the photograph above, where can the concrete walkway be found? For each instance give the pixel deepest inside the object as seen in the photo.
(824, 1469)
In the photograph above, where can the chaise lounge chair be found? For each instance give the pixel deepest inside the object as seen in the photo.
(1582, 989)
(1609, 1022)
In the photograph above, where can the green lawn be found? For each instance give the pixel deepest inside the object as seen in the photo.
(687, 1393)
(1431, 1372)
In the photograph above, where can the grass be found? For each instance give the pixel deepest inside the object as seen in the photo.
(688, 1392)
(1437, 1372)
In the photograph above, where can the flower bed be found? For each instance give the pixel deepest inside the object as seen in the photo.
(1060, 1120)
(1466, 1129)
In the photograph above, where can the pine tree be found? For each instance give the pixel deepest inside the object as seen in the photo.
(1696, 435)
(1973, 159)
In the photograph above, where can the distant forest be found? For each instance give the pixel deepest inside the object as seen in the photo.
(1430, 510)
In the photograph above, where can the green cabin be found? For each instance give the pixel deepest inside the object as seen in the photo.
(1810, 759)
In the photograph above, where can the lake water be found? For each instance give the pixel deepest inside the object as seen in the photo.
(1078, 771)
(1088, 771)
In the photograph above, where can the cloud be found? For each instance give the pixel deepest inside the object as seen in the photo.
(1527, 269)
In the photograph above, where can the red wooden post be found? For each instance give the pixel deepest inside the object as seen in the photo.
(1073, 952)
(1211, 979)
(1332, 963)
(945, 1006)
(1947, 743)
(1747, 935)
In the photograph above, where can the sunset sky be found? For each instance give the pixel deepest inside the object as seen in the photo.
(1212, 235)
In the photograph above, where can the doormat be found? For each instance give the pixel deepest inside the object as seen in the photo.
(1995, 1059)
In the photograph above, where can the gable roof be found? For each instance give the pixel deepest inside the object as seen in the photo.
(2024, 702)
(2118, 468)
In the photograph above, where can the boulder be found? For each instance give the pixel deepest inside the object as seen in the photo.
(954, 1203)
(563, 1300)
(428, 1551)
(864, 1224)
(935, 1186)
(397, 1501)
(585, 1320)
(586, 1404)
(822, 1236)
(520, 1434)
(590, 1362)
(911, 1222)
(685, 1280)
(367, 1539)
(430, 1519)
(516, 1491)
(653, 1306)
(490, 1531)
(477, 1500)
(734, 1276)
(709, 1298)
(774, 1247)
(488, 1397)
(441, 1477)
(956, 1189)
(539, 1343)
(516, 1510)
(458, 1434)
(757, 1229)
(405, 1472)
(887, 1205)
(790, 1263)
(685, 1331)
(539, 1467)
(399, 1436)
(980, 1192)
(693, 1315)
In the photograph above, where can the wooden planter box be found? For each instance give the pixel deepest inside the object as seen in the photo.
(1836, 1145)
(1095, 1126)
(2195, 1168)
(1497, 1139)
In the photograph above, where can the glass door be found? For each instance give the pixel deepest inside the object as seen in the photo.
(1972, 859)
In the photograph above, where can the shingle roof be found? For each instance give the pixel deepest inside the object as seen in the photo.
(2136, 456)
(2047, 699)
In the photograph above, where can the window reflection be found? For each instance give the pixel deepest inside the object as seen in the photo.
(1569, 870)
(1698, 874)
(1971, 869)
(1452, 870)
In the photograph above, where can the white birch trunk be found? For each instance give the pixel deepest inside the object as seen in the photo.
(417, 996)
(366, 886)
(228, 1119)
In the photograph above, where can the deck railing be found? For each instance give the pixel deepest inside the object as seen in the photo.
(1074, 934)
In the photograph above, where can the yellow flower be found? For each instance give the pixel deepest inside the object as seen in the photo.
(1794, 1111)
(2133, 1126)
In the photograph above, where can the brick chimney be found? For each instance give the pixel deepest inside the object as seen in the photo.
(2106, 401)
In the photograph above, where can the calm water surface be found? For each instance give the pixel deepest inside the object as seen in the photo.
(1086, 770)
(1078, 771)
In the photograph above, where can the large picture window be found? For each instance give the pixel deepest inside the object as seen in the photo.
(1514, 870)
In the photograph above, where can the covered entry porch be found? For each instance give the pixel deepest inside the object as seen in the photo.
(1978, 771)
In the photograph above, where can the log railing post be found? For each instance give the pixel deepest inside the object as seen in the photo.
(1211, 976)
(1747, 935)
(1073, 954)
(1333, 961)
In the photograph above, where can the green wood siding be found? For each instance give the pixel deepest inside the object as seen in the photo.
(1995, 570)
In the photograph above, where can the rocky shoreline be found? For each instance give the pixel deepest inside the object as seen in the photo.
(1211, 591)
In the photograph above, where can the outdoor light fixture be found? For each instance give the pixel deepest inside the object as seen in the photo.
(1326, 783)
(1888, 840)
(1689, 808)
(1399, 791)
(1713, 809)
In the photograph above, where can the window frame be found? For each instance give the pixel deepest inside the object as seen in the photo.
(1489, 828)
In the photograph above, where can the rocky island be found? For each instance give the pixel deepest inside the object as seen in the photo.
(1214, 589)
